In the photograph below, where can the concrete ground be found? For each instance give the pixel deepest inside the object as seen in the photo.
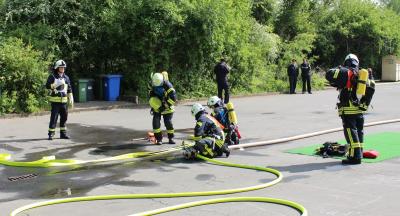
(323, 186)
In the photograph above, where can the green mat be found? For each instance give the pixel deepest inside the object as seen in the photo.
(387, 144)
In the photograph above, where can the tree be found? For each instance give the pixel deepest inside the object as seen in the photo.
(358, 27)
(264, 11)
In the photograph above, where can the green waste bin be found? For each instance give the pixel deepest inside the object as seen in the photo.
(81, 90)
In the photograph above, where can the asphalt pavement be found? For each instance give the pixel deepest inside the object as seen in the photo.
(323, 186)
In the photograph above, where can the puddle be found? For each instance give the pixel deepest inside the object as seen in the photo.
(10, 148)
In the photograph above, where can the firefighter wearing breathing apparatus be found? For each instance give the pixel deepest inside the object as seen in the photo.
(162, 101)
(353, 101)
(60, 96)
(226, 116)
(208, 135)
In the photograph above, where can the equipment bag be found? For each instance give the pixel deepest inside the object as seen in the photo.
(330, 149)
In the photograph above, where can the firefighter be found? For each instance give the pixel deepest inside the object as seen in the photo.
(60, 96)
(226, 117)
(208, 136)
(162, 101)
(350, 112)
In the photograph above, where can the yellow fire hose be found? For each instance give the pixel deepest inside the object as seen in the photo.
(51, 161)
(294, 205)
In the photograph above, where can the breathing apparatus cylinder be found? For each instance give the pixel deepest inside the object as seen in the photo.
(362, 82)
(165, 75)
(231, 113)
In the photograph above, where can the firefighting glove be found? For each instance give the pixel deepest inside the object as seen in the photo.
(162, 108)
(71, 100)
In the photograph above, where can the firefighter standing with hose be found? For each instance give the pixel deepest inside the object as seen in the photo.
(59, 85)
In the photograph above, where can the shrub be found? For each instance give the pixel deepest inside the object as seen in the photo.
(22, 73)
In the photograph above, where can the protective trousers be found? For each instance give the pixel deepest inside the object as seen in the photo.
(209, 146)
(62, 110)
(223, 86)
(353, 126)
(157, 125)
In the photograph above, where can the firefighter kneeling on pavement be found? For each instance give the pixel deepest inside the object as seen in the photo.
(162, 101)
(226, 116)
(209, 137)
(60, 96)
(356, 92)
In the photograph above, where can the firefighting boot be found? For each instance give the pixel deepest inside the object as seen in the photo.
(158, 137)
(189, 153)
(51, 135)
(171, 138)
(226, 150)
(63, 135)
(356, 159)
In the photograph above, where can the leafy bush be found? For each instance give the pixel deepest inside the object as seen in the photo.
(22, 73)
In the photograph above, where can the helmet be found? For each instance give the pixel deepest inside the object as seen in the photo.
(157, 79)
(196, 108)
(60, 63)
(351, 60)
(212, 101)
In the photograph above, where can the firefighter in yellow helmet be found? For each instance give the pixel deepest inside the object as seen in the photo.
(59, 85)
(162, 102)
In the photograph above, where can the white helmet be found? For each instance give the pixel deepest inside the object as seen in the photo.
(60, 63)
(212, 101)
(157, 79)
(196, 108)
(351, 59)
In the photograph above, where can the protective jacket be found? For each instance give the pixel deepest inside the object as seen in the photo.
(167, 95)
(207, 127)
(58, 93)
(348, 103)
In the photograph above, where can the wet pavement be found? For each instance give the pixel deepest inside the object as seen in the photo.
(323, 186)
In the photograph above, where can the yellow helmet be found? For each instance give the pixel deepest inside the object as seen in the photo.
(157, 79)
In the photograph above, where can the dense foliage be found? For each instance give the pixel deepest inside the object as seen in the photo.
(22, 73)
(187, 37)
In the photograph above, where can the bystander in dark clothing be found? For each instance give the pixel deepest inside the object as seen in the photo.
(293, 72)
(221, 71)
(306, 76)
